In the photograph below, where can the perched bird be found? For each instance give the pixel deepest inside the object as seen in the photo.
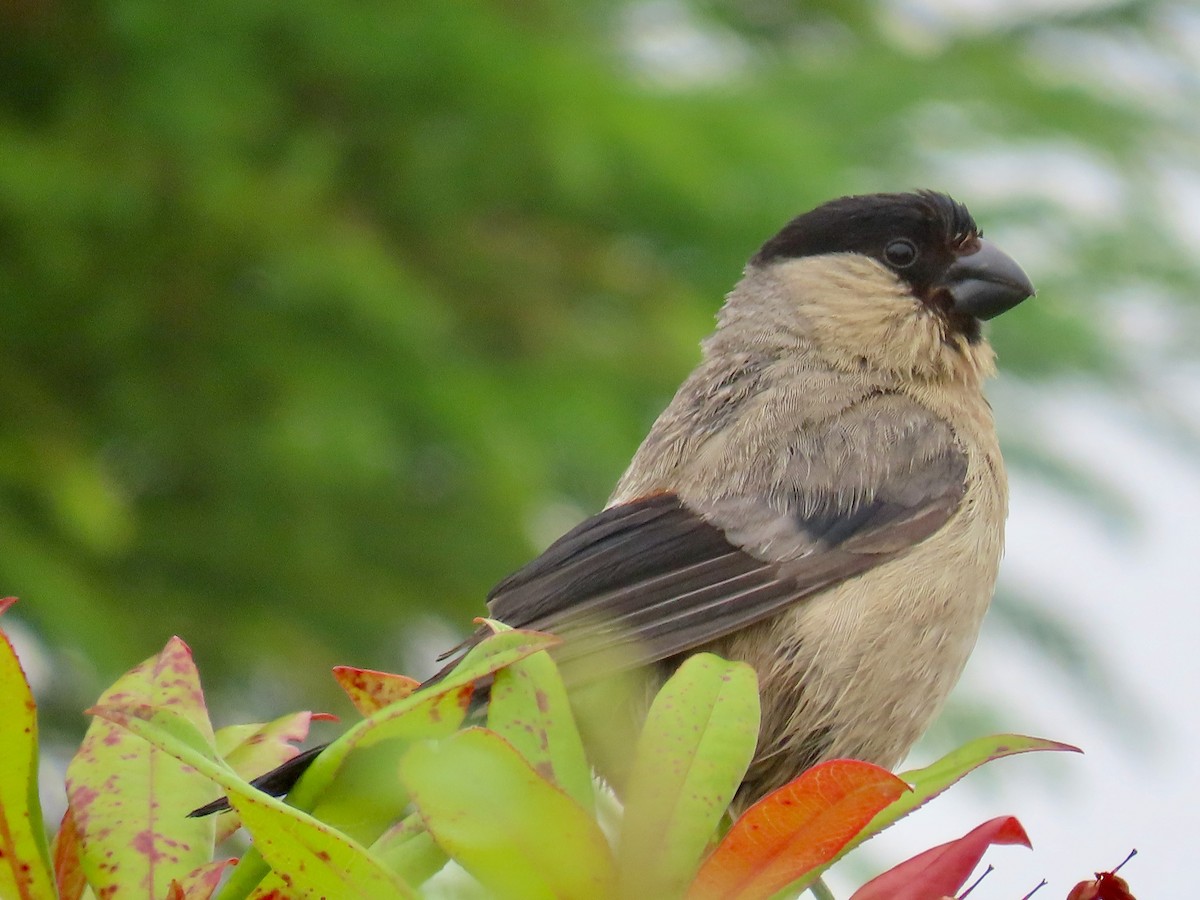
(824, 498)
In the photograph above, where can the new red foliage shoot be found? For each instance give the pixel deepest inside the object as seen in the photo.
(942, 870)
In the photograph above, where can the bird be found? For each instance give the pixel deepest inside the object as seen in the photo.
(823, 498)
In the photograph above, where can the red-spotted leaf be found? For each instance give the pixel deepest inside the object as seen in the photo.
(793, 833)
(68, 869)
(942, 870)
(319, 861)
(129, 799)
(528, 707)
(693, 751)
(519, 835)
(25, 872)
(371, 691)
(352, 785)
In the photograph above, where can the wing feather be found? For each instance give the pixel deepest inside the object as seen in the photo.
(654, 577)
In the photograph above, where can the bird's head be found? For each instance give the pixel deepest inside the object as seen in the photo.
(896, 283)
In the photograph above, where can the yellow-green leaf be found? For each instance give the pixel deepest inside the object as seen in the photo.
(518, 834)
(129, 799)
(697, 741)
(24, 854)
(319, 861)
(408, 849)
(529, 708)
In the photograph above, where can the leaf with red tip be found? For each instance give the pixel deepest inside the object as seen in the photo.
(130, 800)
(319, 860)
(942, 870)
(253, 749)
(795, 831)
(24, 854)
(5, 603)
(370, 690)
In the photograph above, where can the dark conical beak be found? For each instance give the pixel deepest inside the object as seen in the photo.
(986, 283)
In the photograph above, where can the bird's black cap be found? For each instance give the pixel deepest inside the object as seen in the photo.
(868, 223)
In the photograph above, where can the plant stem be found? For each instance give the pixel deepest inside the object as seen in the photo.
(821, 891)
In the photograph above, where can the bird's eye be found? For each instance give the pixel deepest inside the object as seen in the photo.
(900, 253)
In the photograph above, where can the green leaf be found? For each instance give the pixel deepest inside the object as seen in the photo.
(24, 854)
(253, 749)
(697, 742)
(520, 836)
(318, 860)
(408, 849)
(932, 780)
(130, 800)
(528, 707)
(429, 713)
(352, 783)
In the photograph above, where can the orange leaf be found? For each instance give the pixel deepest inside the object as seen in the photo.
(68, 870)
(202, 882)
(795, 829)
(369, 690)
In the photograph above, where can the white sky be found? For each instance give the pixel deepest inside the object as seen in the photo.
(1134, 598)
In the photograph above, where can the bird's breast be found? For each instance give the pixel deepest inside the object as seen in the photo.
(860, 670)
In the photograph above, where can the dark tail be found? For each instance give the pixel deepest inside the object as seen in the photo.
(277, 782)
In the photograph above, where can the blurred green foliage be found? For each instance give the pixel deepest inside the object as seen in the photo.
(315, 319)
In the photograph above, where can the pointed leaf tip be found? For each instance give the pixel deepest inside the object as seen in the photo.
(795, 832)
(942, 870)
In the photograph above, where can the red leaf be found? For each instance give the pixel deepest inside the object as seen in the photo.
(796, 829)
(942, 870)
(5, 603)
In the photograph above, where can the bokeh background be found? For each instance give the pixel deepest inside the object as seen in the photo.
(317, 320)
